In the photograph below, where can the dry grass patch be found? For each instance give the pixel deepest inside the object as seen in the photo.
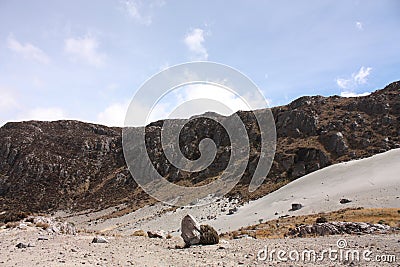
(139, 233)
(42, 225)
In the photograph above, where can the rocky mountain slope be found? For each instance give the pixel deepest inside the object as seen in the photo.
(46, 166)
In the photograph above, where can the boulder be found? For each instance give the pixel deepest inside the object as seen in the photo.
(208, 235)
(344, 201)
(156, 234)
(99, 239)
(21, 245)
(190, 230)
(195, 234)
(296, 206)
(232, 211)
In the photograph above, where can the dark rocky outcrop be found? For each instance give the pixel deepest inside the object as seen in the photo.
(338, 228)
(46, 166)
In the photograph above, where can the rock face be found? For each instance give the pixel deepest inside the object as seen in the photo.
(190, 230)
(335, 143)
(70, 165)
(338, 228)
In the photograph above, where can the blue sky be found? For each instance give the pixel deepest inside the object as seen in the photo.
(85, 59)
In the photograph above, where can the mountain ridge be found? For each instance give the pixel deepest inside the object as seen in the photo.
(72, 165)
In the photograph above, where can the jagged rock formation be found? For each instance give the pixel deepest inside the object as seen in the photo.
(46, 166)
(339, 228)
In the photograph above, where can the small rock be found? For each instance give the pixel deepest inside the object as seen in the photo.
(232, 211)
(99, 239)
(296, 206)
(22, 226)
(21, 245)
(42, 238)
(156, 234)
(344, 201)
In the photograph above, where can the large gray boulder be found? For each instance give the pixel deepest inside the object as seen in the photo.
(190, 230)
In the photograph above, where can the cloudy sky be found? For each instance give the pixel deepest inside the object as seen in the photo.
(85, 59)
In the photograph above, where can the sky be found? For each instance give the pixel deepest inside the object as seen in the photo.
(85, 60)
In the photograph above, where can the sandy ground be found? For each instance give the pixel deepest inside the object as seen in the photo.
(371, 182)
(70, 250)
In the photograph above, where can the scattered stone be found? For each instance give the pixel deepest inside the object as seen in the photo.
(21, 245)
(99, 239)
(296, 206)
(232, 211)
(344, 201)
(42, 238)
(156, 234)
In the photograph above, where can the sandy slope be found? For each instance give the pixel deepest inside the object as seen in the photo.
(369, 182)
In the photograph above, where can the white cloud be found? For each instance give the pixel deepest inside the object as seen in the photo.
(194, 40)
(352, 94)
(356, 78)
(27, 50)
(343, 83)
(140, 10)
(44, 114)
(359, 25)
(195, 99)
(350, 84)
(85, 49)
(113, 115)
(361, 76)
